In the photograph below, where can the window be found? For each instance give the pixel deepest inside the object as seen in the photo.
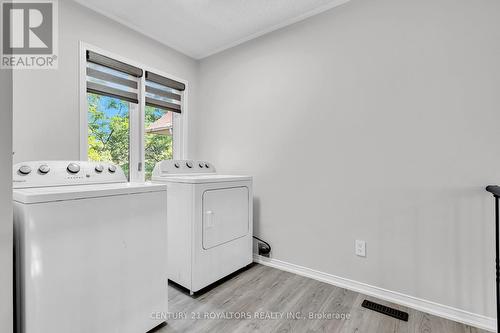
(158, 138)
(131, 115)
(163, 99)
(108, 130)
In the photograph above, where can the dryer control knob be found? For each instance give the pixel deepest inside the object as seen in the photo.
(207, 165)
(177, 165)
(73, 168)
(99, 168)
(201, 165)
(44, 169)
(25, 170)
(112, 168)
(189, 164)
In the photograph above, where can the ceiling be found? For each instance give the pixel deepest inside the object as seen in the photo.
(199, 28)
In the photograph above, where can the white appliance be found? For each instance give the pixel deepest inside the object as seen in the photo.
(90, 249)
(209, 220)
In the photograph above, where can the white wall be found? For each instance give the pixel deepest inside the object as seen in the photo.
(6, 303)
(378, 120)
(46, 117)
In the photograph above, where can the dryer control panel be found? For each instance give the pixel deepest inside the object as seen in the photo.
(63, 173)
(179, 167)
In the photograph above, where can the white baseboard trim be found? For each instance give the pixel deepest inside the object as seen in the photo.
(440, 310)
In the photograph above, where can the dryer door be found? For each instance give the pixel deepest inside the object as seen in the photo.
(225, 215)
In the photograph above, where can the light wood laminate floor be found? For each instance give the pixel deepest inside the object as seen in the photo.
(254, 299)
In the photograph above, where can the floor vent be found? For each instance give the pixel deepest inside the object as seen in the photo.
(385, 310)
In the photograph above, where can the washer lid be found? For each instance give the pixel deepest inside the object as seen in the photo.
(63, 193)
(201, 179)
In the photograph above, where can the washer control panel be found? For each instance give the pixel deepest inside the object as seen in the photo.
(179, 167)
(62, 173)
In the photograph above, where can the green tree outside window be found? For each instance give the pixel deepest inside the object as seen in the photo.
(109, 136)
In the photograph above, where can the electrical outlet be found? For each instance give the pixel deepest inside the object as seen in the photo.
(360, 248)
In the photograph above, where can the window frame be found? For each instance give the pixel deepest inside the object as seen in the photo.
(136, 115)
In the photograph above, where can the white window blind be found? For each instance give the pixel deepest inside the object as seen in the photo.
(163, 93)
(109, 77)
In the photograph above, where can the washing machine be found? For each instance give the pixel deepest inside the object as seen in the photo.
(90, 249)
(209, 220)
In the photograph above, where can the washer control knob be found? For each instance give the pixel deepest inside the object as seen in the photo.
(201, 165)
(177, 165)
(73, 168)
(44, 169)
(25, 170)
(99, 168)
(189, 164)
(207, 165)
(112, 168)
